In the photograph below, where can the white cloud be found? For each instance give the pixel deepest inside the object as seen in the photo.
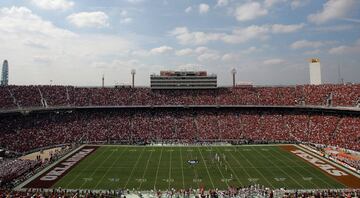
(135, 1)
(188, 9)
(190, 67)
(352, 20)
(312, 52)
(139, 53)
(53, 4)
(126, 20)
(42, 59)
(161, 50)
(306, 44)
(270, 3)
(335, 28)
(116, 64)
(339, 50)
(184, 52)
(227, 57)
(250, 50)
(238, 56)
(21, 21)
(230, 57)
(222, 3)
(280, 28)
(241, 35)
(124, 13)
(204, 8)
(332, 9)
(250, 11)
(89, 19)
(274, 61)
(201, 49)
(208, 56)
(36, 44)
(346, 49)
(298, 3)
(184, 36)
(238, 35)
(28, 39)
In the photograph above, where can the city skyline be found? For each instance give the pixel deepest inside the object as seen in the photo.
(268, 42)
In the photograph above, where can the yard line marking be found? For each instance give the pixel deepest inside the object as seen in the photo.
(146, 167)
(88, 165)
(107, 170)
(279, 179)
(195, 170)
(207, 170)
(92, 174)
(297, 172)
(232, 170)
(310, 172)
(267, 181)
(242, 167)
(170, 170)
(225, 180)
(134, 167)
(157, 170)
(182, 168)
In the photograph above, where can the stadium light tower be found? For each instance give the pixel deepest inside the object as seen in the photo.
(233, 72)
(5, 73)
(103, 79)
(133, 72)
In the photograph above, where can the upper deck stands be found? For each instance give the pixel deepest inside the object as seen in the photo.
(13, 97)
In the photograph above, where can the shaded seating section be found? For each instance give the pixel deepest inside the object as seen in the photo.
(23, 133)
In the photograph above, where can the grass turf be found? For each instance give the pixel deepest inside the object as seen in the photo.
(147, 168)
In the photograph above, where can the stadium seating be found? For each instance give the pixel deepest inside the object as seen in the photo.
(13, 97)
(13, 168)
(248, 191)
(24, 133)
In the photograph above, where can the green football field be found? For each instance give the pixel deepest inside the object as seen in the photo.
(148, 168)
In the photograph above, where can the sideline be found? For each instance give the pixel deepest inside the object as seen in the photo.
(192, 145)
(20, 187)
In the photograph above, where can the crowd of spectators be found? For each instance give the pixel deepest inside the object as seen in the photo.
(341, 156)
(11, 169)
(52, 96)
(23, 133)
(14, 170)
(237, 192)
(323, 194)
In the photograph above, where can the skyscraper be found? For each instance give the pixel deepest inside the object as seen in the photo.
(5, 73)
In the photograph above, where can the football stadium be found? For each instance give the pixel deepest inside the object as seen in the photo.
(180, 99)
(231, 140)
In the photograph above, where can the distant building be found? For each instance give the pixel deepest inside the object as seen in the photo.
(183, 80)
(315, 71)
(5, 74)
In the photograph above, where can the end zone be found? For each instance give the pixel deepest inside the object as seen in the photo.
(342, 175)
(48, 178)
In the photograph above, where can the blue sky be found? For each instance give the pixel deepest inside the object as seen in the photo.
(75, 42)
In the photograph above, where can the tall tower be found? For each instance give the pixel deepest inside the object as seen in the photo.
(103, 81)
(315, 71)
(233, 72)
(5, 73)
(133, 72)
